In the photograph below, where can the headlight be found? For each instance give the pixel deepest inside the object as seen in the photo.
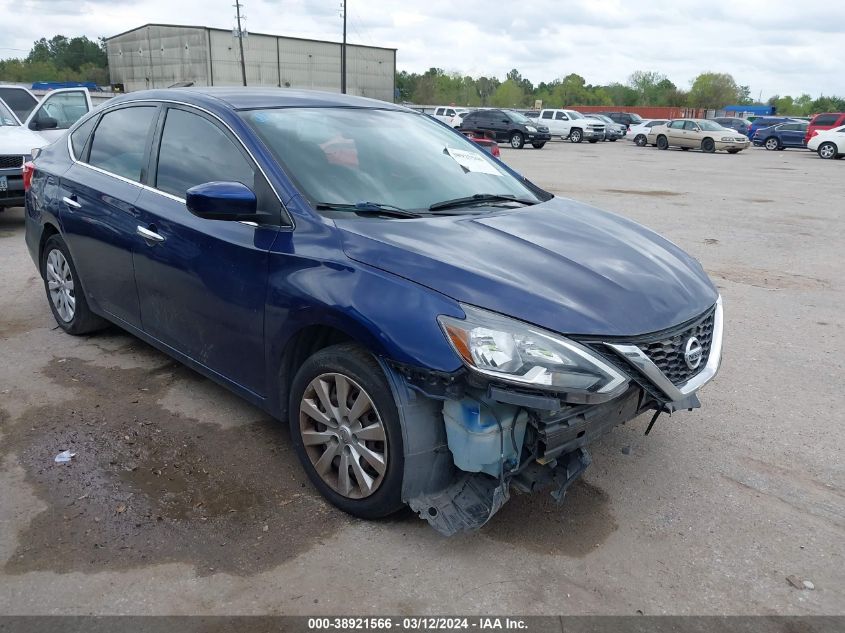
(530, 128)
(728, 139)
(520, 353)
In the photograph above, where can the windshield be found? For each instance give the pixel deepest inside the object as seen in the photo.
(516, 117)
(6, 116)
(350, 156)
(710, 126)
(574, 115)
(635, 118)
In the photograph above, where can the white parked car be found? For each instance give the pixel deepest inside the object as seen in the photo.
(47, 121)
(828, 143)
(447, 113)
(639, 132)
(572, 124)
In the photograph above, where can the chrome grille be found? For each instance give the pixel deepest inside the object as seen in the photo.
(9, 162)
(667, 352)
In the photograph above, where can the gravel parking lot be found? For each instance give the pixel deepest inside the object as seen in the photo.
(182, 499)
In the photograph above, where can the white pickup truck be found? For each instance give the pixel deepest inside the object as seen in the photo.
(572, 124)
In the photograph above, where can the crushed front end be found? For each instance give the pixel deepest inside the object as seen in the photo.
(492, 435)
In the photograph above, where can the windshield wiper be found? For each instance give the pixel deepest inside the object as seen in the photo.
(368, 208)
(478, 198)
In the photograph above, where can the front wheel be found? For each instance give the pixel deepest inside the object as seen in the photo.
(517, 140)
(771, 144)
(662, 142)
(64, 291)
(576, 136)
(640, 140)
(828, 151)
(538, 145)
(708, 146)
(346, 432)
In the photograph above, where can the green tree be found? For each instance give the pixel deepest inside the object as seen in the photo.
(508, 95)
(713, 90)
(621, 95)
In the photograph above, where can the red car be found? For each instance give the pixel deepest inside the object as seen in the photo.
(488, 144)
(824, 121)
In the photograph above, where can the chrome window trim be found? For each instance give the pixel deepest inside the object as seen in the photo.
(636, 357)
(291, 223)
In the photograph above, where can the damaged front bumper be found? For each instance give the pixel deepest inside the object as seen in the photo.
(469, 443)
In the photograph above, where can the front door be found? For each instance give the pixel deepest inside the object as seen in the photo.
(58, 111)
(202, 284)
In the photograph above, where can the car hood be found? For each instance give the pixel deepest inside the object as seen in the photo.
(16, 139)
(561, 265)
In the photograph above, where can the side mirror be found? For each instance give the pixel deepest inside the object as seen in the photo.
(222, 201)
(43, 122)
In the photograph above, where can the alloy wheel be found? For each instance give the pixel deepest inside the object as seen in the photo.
(771, 144)
(60, 285)
(640, 140)
(343, 435)
(827, 150)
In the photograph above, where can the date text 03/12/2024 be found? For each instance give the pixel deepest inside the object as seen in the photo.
(416, 624)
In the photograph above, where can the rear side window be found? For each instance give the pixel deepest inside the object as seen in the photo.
(194, 151)
(826, 119)
(547, 114)
(120, 141)
(79, 137)
(19, 100)
(676, 125)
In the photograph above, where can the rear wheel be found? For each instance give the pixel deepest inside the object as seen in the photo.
(576, 136)
(708, 146)
(771, 144)
(640, 140)
(517, 140)
(538, 145)
(64, 291)
(828, 150)
(662, 142)
(345, 430)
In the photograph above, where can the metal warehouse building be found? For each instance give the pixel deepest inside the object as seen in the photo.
(160, 55)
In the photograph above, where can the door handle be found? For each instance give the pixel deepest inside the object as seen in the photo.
(71, 202)
(147, 234)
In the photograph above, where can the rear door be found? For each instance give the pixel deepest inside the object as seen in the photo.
(202, 284)
(58, 111)
(98, 195)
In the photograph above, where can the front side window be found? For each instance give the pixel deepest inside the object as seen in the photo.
(692, 125)
(66, 108)
(560, 116)
(353, 155)
(120, 141)
(194, 151)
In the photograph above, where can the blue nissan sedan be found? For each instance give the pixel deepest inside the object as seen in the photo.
(436, 329)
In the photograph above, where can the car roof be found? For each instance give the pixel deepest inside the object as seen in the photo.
(240, 98)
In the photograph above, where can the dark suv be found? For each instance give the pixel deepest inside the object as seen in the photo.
(625, 118)
(734, 123)
(506, 126)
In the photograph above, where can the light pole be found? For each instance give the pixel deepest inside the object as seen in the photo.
(343, 50)
(238, 6)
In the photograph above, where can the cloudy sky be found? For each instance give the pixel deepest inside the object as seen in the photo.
(774, 46)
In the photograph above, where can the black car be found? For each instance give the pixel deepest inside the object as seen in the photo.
(625, 118)
(506, 126)
(734, 123)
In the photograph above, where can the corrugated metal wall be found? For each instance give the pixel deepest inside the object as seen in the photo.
(157, 56)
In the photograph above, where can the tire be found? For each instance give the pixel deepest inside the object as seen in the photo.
(64, 290)
(662, 142)
(772, 144)
(576, 135)
(517, 140)
(640, 140)
(364, 492)
(538, 145)
(828, 150)
(708, 146)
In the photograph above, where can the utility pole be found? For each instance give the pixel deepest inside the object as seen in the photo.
(238, 6)
(343, 50)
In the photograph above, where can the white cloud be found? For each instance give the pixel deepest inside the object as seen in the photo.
(774, 46)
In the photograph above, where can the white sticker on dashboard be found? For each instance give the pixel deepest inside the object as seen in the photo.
(472, 161)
